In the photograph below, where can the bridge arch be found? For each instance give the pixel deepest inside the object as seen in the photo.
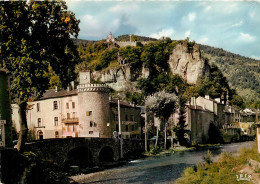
(80, 156)
(106, 154)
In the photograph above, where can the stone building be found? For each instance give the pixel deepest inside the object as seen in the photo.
(82, 112)
(214, 105)
(130, 117)
(198, 119)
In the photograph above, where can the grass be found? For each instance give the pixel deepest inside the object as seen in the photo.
(223, 171)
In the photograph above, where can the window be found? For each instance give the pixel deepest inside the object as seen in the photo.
(56, 134)
(88, 113)
(55, 105)
(132, 118)
(126, 117)
(67, 105)
(133, 127)
(56, 121)
(95, 125)
(38, 107)
(73, 105)
(126, 128)
(68, 115)
(90, 132)
(90, 123)
(116, 117)
(117, 128)
(74, 115)
(39, 122)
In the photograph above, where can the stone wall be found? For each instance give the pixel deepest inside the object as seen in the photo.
(199, 121)
(94, 124)
(56, 150)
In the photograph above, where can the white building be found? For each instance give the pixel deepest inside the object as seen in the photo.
(82, 112)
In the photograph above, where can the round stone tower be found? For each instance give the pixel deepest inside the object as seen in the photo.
(93, 103)
(5, 110)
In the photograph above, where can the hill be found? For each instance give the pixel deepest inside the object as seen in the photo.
(242, 73)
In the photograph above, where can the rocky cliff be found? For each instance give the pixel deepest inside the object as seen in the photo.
(184, 62)
(188, 63)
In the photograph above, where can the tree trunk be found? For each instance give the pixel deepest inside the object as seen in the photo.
(172, 132)
(145, 132)
(165, 135)
(23, 127)
(156, 140)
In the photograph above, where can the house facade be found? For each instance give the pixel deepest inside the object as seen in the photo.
(83, 112)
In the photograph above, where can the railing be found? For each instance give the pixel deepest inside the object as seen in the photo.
(70, 120)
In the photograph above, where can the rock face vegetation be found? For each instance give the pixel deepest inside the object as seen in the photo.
(137, 71)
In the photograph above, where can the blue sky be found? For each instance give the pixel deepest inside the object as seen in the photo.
(233, 26)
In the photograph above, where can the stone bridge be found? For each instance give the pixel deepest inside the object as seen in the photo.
(84, 151)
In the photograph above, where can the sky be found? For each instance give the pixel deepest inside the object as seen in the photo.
(231, 25)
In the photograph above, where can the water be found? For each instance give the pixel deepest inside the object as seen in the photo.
(163, 169)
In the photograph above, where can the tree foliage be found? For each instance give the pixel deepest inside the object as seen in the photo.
(36, 47)
(36, 35)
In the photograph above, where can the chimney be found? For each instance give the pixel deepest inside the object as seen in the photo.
(72, 84)
(218, 100)
(56, 89)
(207, 97)
(193, 101)
(69, 88)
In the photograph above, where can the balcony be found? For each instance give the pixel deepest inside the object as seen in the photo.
(70, 120)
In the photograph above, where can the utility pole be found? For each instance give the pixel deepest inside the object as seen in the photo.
(145, 130)
(120, 130)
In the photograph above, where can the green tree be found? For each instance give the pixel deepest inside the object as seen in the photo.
(36, 35)
(180, 128)
(162, 105)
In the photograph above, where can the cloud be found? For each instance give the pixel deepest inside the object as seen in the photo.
(208, 8)
(187, 33)
(122, 8)
(252, 14)
(191, 16)
(96, 26)
(246, 37)
(203, 40)
(240, 23)
(164, 32)
(255, 57)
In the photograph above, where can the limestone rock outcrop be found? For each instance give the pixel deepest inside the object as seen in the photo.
(118, 78)
(188, 63)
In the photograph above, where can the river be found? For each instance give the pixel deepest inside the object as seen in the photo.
(161, 169)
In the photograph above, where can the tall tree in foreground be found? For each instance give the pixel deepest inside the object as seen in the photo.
(36, 39)
(162, 105)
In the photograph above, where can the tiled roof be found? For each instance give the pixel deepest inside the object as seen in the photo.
(114, 102)
(62, 93)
